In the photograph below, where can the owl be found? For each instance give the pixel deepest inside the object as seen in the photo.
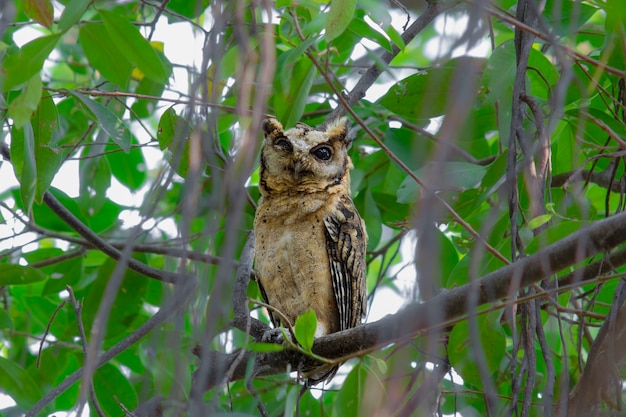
(310, 239)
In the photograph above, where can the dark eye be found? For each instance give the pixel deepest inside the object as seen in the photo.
(322, 153)
(283, 144)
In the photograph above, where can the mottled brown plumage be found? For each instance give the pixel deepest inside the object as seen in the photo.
(310, 239)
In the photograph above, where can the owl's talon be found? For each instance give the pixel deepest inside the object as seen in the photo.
(273, 336)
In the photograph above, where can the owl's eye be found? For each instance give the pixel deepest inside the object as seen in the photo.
(284, 144)
(323, 153)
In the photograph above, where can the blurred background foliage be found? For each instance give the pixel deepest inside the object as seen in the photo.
(155, 152)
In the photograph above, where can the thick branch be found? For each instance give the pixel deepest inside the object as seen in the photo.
(600, 237)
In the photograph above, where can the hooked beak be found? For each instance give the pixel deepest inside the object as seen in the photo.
(297, 170)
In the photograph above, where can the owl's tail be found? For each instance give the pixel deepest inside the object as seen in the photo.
(324, 376)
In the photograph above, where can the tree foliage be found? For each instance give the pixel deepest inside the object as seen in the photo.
(489, 135)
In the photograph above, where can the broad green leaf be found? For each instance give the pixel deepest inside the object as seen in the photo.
(429, 93)
(39, 10)
(567, 16)
(126, 306)
(305, 327)
(112, 388)
(370, 213)
(104, 55)
(490, 338)
(363, 30)
(289, 103)
(72, 13)
(339, 17)
(12, 274)
(22, 108)
(109, 122)
(134, 47)
(499, 75)
(187, 8)
(349, 398)
(167, 127)
(129, 168)
(48, 159)
(95, 176)
(46, 218)
(23, 64)
(18, 383)
(35, 161)
(24, 163)
(5, 320)
(105, 217)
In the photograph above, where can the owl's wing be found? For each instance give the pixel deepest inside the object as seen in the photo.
(345, 243)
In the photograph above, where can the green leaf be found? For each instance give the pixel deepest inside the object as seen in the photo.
(126, 306)
(109, 122)
(40, 11)
(429, 93)
(567, 16)
(11, 274)
(348, 400)
(289, 103)
(134, 47)
(492, 342)
(35, 161)
(499, 75)
(304, 329)
(95, 177)
(103, 54)
(24, 163)
(167, 127)
(129, 168)
(23, 64)
(72, 13)
(5, 320)
(112, 389)
(538, 221)
(339, 17)
(189, 9)
(48, 158)
(264, 347)
(16, 382)
(22, 108)
(46, 218)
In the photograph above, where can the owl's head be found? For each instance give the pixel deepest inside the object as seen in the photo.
(303, 159)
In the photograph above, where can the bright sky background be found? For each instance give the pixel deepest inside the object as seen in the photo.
(182, 47)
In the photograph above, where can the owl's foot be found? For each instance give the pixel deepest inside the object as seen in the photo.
(274, 335)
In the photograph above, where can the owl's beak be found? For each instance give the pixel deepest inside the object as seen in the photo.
(297, 170)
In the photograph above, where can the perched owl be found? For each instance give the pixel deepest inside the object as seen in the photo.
(310, 239)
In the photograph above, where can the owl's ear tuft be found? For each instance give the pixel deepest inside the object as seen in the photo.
(338, 129)
(271, 125)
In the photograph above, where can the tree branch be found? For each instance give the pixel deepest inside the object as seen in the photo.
(414, 320)
(433, 9)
